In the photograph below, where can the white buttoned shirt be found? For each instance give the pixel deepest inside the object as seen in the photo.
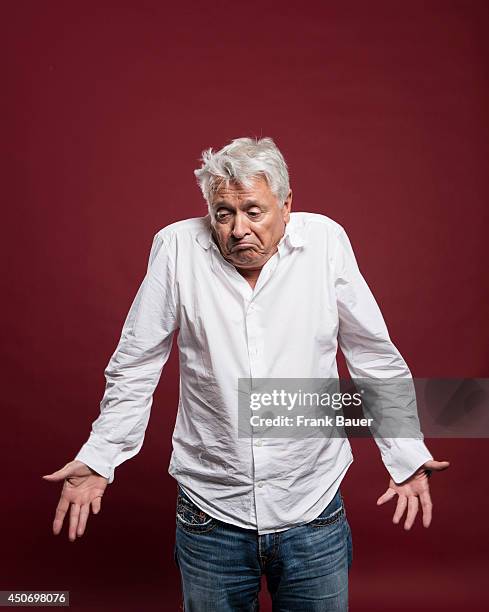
(310, 296)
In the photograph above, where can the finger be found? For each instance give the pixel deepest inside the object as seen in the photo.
(427, 506)
(82, 521)
(413, 505)
(387, 496)
(74, 516)
(401, 506)
(59, 515)
(96, 505)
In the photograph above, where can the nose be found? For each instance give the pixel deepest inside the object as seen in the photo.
(241, 227)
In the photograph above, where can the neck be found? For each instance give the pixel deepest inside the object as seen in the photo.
(251, 276)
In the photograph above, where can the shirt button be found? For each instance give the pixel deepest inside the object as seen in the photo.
(260, 484)
(258, 442)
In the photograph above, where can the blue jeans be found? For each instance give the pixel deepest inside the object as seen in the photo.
(221, 565)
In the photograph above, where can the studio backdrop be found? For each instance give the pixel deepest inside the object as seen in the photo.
(381, 111)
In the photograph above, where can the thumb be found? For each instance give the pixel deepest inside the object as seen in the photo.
(60, 474)
(436, 466)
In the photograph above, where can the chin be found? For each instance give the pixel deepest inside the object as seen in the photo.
(247, 263)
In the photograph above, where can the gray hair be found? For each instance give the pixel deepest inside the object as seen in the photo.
(242, 160)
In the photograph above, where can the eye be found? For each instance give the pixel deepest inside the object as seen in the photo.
(223, 215)
(254, 213)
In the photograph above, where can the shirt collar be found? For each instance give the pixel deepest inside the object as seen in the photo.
(294, 235)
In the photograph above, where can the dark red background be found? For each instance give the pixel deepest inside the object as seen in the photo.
(381, 110)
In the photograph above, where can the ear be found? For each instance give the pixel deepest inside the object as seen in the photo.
(287, 207)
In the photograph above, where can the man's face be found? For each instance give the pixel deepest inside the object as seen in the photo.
(247, 224)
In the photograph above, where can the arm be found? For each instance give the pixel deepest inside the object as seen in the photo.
(132, 375)
(370, 354)
(134, 369)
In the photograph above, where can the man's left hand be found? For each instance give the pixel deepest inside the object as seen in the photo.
(412, 492)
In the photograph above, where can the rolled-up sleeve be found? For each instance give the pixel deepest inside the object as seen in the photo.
(135, 367)
(370, 354)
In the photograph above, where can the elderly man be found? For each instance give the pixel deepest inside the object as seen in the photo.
(255, 292)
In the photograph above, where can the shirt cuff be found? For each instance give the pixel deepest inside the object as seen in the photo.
(94, 454)
(403, 456)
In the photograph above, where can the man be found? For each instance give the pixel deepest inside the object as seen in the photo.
(256, 292)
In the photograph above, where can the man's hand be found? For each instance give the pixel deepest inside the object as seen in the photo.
(82, 487)
(410, 490)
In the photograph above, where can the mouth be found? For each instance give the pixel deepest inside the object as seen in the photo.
(243, 245)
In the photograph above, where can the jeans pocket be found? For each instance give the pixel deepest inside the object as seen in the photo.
(191, 518)
(333, 513)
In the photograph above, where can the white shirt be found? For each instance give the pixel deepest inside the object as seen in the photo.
(309, 296)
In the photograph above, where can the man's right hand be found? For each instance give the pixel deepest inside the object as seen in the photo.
(82, 488)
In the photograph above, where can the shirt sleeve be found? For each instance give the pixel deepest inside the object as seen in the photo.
(135, 367)
(370, 354)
